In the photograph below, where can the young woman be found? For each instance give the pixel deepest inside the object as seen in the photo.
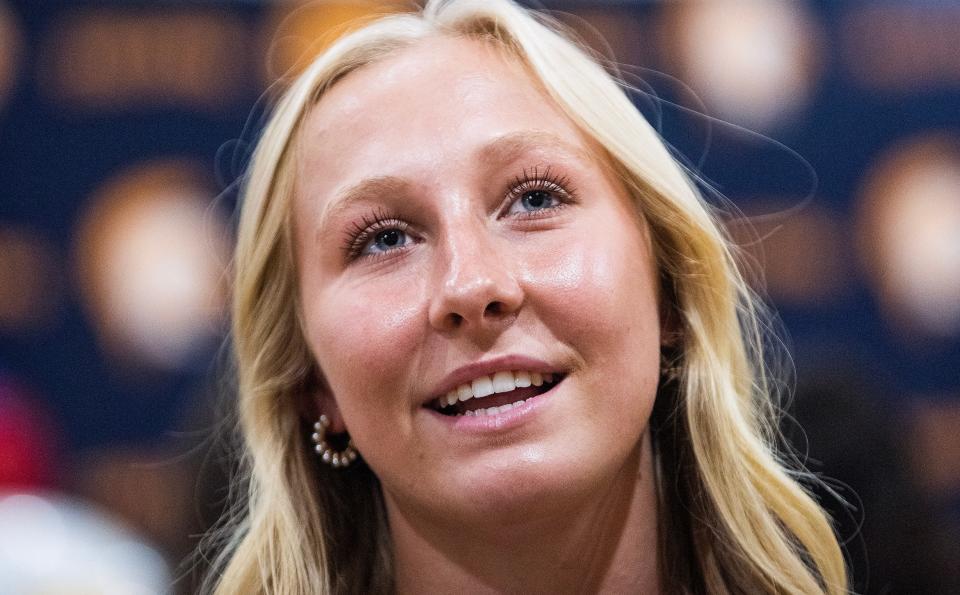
(489, 338)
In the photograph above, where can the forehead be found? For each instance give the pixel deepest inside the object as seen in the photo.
(438, 100)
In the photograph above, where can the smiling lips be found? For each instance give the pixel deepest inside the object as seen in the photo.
(493, 394)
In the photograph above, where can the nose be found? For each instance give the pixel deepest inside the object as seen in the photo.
(476, 288)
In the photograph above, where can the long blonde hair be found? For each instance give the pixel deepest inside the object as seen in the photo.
(732, 519)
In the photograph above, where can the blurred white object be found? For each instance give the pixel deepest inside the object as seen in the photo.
(910, 234)
(753, 62)
(152, 254)
(51, 544)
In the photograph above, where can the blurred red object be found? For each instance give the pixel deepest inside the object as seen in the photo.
(28, 440)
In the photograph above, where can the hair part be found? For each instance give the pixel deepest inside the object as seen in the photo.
(732, 519)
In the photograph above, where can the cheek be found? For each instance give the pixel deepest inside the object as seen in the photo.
(600, 290)
(600, 298)
(362, 336)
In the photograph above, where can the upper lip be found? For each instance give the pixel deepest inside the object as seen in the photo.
(466, 374)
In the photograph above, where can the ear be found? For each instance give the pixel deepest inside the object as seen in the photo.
(318, 399)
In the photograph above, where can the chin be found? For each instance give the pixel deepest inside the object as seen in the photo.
(517, 489)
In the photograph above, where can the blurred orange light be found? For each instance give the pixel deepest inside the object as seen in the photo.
(10, 47)
(891, 47)
(909, 234)
(801, 254)
(753, 62)
(936, 447)
(151, 258)
(29, 292)
(613, 32)
(298, 31)
(115, 57)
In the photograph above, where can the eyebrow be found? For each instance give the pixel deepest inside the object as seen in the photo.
(360, 192)
(504, 148)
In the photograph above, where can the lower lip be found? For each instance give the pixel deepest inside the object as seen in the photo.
(517, 415)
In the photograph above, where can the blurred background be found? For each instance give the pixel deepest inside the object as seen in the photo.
(124, 124)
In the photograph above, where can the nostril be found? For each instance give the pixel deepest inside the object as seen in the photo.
(494, 308)
(456, 319)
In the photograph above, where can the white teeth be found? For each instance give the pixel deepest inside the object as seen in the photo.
(482, 387)
(469, 413)
(503, 382)
(521, 379)
(507, 407)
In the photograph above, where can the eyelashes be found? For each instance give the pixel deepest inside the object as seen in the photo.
(537, 192)
(541, 181)
(360, 233)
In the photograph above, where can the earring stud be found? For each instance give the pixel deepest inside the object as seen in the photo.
(335, 458)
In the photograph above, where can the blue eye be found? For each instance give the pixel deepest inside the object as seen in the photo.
(376, 235)
(386, 240)
(535, 200)
(538, 191)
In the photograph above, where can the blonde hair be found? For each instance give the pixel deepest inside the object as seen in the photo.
(732, 519)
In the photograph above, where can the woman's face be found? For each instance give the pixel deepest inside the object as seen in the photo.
(455, 235)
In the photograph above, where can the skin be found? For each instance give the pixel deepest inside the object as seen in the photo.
(564, 501)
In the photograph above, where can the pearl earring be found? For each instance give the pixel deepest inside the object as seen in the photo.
(328, 455)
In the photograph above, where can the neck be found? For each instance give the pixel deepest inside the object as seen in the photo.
(606, 545)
